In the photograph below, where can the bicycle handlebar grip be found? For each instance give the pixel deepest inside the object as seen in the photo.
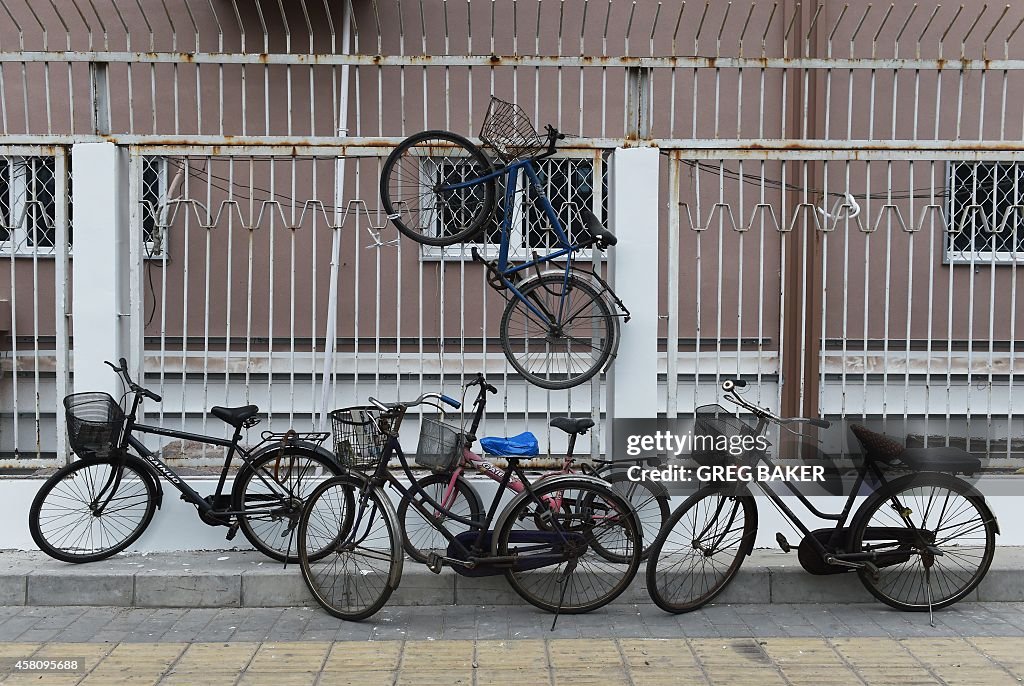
(490, 388)
(124, 364)
(451, 402)
(820, 423)
(151, 395)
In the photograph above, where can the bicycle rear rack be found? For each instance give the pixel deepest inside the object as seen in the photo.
(292, 437)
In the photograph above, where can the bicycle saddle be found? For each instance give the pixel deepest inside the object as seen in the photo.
(572, 426)
(235, 416)
(595, 229)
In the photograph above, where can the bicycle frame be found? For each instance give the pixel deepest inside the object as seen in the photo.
(567, 249)
(419, 499)
(162, 469)
(840, 518)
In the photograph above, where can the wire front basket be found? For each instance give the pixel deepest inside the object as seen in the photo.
(440, 446)
(508, 130)
(359, 437)
(94, 423)
(718, 436)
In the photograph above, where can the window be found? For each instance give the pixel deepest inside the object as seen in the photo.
(27, 205)
(155, 212)
(569, 185)
(986, 212)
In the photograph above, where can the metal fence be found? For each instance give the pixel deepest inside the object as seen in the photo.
(257, 131)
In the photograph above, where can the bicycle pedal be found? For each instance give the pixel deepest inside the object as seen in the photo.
(232, 530)
(434, 563)
(783, 543)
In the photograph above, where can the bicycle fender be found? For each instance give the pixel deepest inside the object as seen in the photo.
(895, 483)
(520, 497)
(147, 470)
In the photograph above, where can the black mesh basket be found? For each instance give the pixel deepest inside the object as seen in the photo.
(713, 424)
(508, 130)
(359, 437)
(440, 447)
(94, 423)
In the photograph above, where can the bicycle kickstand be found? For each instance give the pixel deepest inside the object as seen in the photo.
(563, 581)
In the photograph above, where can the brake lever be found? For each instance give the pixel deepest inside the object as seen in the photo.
(799, 433)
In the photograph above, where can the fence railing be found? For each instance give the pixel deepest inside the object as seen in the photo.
(840, 189)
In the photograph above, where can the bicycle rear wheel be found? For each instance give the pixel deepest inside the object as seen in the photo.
(701, 547)
(65, 520)
(560, 333)
(270, 492)
(558, 567)
(413, 182)
(953, 520)
(650, 504)
(356, 526)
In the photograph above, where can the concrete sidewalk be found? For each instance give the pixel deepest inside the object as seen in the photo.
(247, 579)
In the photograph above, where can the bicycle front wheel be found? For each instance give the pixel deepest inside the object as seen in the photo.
(350, 550)
(947, 557)
(701, 547)
(269, 492)
(420, 537)
(90, 510)
(561, 541)
(415, 188)
(560, 332)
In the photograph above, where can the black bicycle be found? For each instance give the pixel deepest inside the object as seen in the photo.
(565, 543)
(919, 541)
(102, 502)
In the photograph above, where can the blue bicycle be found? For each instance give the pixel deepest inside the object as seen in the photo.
(561, 325)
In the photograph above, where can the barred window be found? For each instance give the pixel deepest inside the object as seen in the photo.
(28, 205)
(154, 206)
(986, 212)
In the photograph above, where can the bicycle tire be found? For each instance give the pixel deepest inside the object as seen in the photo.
(560, 367)
(465, 502)
(674, 581)
(904, 566)
(375, 568)
(412, 202)
(273, 533)
(581, 517)
(85, 479)
(650, 505)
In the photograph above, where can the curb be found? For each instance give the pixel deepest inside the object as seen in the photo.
(247, 579)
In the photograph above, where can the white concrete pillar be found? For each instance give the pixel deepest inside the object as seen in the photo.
(100, 265)
(633, 265)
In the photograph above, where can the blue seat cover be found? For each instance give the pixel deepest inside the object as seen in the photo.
(523, 445)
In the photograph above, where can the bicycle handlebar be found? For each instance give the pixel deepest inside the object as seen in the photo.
(553, 136)
(122, 369)
(451, 402)
(730, 386)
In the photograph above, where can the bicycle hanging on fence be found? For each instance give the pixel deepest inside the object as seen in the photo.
(920, 541)
(447, 485)
(565, 544)
(102, 502)
(560, 326)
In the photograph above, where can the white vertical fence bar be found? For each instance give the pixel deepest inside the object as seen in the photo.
(633, 207)
(99, 268)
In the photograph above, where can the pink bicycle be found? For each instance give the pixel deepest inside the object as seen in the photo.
(568, 543)
(449, 487)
